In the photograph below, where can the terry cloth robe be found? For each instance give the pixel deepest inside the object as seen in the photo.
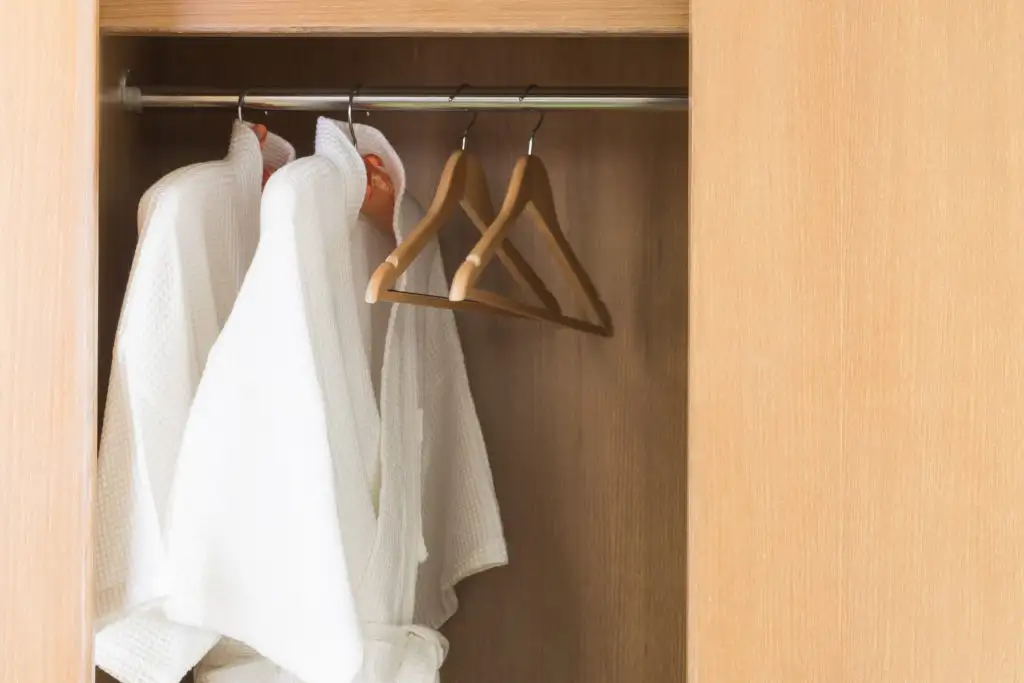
(199, 227)
(320, 525)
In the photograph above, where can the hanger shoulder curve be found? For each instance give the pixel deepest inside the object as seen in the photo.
(463, 183)
(477, 205)
(446, 199)
(530, 190)
(542, 208)
(493, 237)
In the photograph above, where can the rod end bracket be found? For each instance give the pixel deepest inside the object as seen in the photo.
(129, 96)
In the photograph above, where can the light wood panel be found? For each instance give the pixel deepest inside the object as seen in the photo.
(586, 435)
(857, 368)
(394, 16)
(48, 338)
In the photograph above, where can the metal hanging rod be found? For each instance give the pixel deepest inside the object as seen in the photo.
(412, 99)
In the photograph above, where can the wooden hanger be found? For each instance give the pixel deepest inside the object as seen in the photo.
(530, 191)
(464, 184)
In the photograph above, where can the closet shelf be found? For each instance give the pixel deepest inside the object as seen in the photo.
(395, 17)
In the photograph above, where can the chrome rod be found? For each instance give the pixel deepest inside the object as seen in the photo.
(432, 99)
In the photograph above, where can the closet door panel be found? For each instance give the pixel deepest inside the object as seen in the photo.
(856, 407)
(47, 339)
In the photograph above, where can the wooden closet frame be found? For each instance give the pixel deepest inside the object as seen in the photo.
(49, 271)
(855, 417)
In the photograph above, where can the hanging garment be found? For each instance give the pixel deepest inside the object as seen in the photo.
(310, 521)
(199, 227)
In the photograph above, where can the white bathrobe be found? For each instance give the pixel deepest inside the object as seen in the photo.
(199, 227)
(303, 513)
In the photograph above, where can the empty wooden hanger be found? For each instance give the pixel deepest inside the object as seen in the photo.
(464, 184)
(530, 190)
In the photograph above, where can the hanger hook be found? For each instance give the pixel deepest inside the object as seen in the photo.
(540, 121)
(351, 126)
(472, 121)
(241, 103)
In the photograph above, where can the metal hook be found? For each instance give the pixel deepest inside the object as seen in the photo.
(351, 126)
(540, 121)
(472, 121)
(241, 103)
(122, 86)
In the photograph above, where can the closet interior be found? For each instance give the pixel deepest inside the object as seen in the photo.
(586, 434)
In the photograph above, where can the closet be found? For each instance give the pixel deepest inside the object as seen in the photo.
(798, 457)
(585, 433)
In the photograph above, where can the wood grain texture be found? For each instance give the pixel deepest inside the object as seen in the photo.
(394, 16)
(857, 371)
(585, 434)
(48, 67)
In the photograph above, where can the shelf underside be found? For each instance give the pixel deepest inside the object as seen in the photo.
(395, 17)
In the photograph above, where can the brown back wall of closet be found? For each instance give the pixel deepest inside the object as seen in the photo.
(586, 435)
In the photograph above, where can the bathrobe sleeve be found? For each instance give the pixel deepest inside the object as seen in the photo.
(153, 377)
(461, 521)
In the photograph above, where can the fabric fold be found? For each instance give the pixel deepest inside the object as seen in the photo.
(198, 229)
(333, 482)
